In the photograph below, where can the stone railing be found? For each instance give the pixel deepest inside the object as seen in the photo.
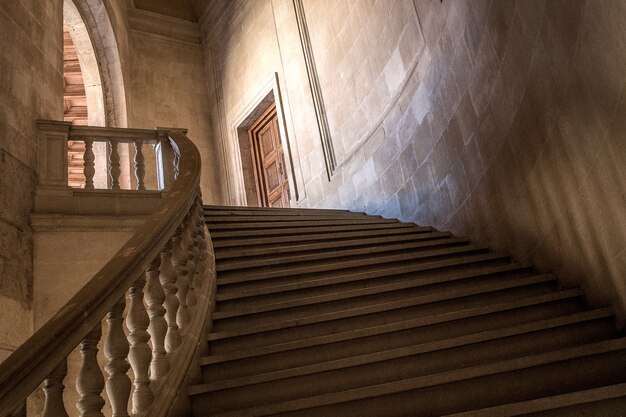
(53, 155)
(152, 298)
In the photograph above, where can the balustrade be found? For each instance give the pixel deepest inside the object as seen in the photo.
(161, 291)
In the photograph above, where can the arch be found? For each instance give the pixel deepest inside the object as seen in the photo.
(99, 56)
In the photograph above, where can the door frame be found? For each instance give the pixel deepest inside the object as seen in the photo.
(245, 190)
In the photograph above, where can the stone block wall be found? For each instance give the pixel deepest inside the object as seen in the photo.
(509, 129)
(31, 87)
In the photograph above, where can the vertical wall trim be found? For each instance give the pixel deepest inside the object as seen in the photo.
(316, 90)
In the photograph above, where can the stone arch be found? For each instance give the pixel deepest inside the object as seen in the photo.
(99, 56)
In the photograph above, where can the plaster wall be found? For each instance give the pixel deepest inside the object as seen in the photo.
(509, 129)
(31, 87)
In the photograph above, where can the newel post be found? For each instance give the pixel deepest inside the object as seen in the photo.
(52, 153)
(166, 160)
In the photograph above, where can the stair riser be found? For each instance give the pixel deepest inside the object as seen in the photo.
(365, 268)
(380, 341)
(393, 313)
(336, 254)
(475, 393)
(430, 270)
(376, 286)
(277, 241)
(607, 408)
(234, 254)
(278, 226)
(407, 367)
(267, 232)
(440, 291)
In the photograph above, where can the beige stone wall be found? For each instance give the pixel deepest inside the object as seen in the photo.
(31, 87)
(509, 129)
(168, 89)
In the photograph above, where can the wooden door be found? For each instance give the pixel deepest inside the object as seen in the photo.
(269, 160)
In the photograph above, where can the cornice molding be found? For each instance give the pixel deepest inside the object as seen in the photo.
(176, 30)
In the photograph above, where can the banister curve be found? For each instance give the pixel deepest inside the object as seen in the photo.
(24, 370)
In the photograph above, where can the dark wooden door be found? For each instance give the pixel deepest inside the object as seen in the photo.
(269, 161)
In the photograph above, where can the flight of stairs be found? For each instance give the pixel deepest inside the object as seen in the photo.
(330, 313)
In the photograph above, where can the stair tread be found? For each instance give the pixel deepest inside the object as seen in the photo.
(350, 234)
(300, 302)
(433, 380)
(305, 247)
(337, 253)
(247, 276)
(391, 327)
(553, 402)
(279, 226)
(312, 229)
(404, 351)
(326, 282)
(377, 308)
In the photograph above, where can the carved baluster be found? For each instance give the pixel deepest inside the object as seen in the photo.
(114, 165)
(89, 162)
(155, 296)
(90, 382)
(116, 352)
(53, 390)
(179, 261)
(140, 166)
(168, 279)
(140, 354)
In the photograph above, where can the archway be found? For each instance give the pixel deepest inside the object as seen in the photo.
(94, 85)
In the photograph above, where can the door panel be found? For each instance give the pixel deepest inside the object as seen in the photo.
(269, 160)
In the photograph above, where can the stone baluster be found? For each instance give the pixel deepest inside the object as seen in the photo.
(90, 382)
(179, 261)
(89, 163)
(168, 279)
(140, 353)
(114, 164)
(116, 352)
(155, 296)
(140, 166)
(53, 390)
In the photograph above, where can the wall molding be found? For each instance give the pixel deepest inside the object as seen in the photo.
(316, 90)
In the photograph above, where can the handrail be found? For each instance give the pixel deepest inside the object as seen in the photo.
(177, 222)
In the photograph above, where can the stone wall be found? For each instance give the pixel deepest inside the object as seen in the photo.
(168, 89)
(509, 129)
(31, 87)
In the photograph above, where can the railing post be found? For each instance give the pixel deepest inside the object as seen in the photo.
(52, 158)
(53, 390)
(155, 297)
(140, 166)
(116, 352)
(140, 353)
(167, 158)
(90, 381)
(114, 164)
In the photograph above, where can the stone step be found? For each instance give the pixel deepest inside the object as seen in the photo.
(337, 253)
(408, 362)
(238, 253)
(350, 318)
(605, 401)
(571, 369)
(247, 360)
(409, 282)
(360, 263)
(212, 209)
(234, 319)
(277, 220)
(276, 241)
(255, 288)
(278, 227)
(272, 231)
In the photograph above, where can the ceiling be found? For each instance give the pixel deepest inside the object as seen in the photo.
(181, 9)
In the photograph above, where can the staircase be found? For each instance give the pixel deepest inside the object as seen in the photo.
(331, 313)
